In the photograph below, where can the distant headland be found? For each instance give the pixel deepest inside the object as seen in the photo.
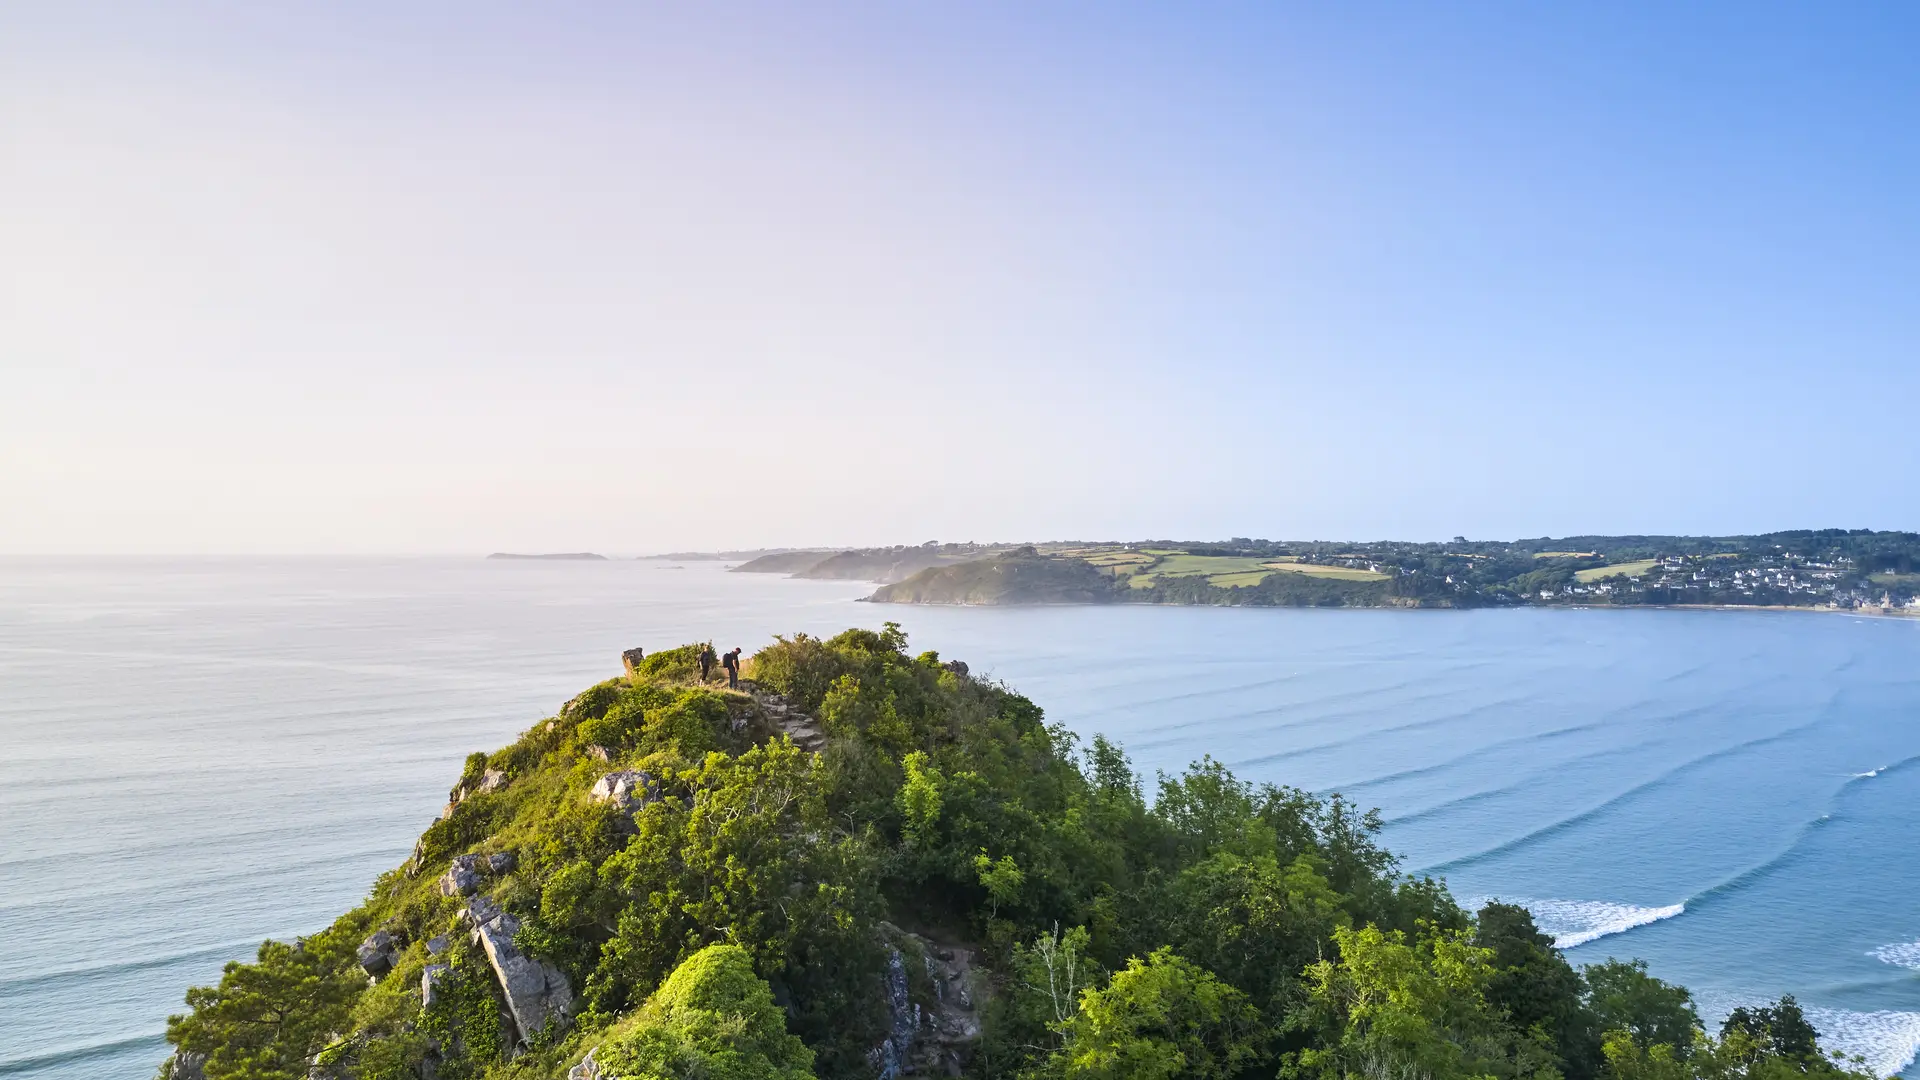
(1860, 570)
(565, 556)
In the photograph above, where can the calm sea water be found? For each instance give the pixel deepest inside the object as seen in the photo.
(197, 754)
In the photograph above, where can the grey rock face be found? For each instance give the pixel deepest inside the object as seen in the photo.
(630, 790)
(186, 1065)
(587, 1069)
(436, 945)
(958, 667)
(433, 983)
(490, 781)
(463, 877)
(500, 863)
(377, 953)
(631, 659)
(537, 993)
(939, 1038)
(598, 752)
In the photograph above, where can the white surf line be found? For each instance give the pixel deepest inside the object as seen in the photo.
(1905, 954)
(1576, 922)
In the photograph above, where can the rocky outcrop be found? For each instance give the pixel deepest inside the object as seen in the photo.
(377, 953)
(804, 730)
(629, 790)
(937, 1038)
(587, 1069)
(631, 658)
(433, 983)
(490, 781)
(537, 993)
(464, 876)
(186, 1065)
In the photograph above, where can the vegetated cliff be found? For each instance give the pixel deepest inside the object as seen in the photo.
(781, 562)
(868, 863)
(1024, 576)
(881, 565)
(1018, 577)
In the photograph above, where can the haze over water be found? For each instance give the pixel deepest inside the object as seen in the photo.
(196, 754)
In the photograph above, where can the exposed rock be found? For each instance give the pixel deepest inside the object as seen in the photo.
(940, 1037)
(490, 781)
(587, 1069)
(537, 993)
(891, 1056)
(500, 863)
(631, 659)
(463, 877)
(436, 945)
(958, 667)
(187, 1065)
(377, 953)
(804, 730)
(598, 752)
(433, 982)
(630, 790)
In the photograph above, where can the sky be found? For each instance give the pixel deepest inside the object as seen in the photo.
(451, 278)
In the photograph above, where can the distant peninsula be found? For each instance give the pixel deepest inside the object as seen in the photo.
(573, 556)
(1860, 570)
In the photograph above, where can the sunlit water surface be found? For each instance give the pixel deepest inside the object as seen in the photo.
(197, 754)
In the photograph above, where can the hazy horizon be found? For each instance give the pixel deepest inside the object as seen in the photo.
(357, 278)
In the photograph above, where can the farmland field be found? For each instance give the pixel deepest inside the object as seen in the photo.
(1627, 569)
(1345, 573)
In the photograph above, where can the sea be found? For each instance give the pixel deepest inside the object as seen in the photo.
(196, 754)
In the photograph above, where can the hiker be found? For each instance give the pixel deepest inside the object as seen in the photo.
(706, 660)
(731, 662)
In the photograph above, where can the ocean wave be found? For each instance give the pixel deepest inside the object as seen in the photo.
(1576, 922)
(1620, 798)
(152, 1043)
(1906, 954)
(1885, 1041)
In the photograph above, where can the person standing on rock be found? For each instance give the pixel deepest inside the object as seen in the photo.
(706, 660)
(731, 662)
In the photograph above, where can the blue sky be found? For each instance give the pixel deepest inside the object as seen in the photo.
(466, 277)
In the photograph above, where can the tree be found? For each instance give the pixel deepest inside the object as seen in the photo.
(713, 1019)
(1160, 1018)
(1623, 997)
(1537, 990)
(1389, 1009)
(1778, 1030)
(265, 1019)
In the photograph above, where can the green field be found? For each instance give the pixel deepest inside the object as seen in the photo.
(1344, 573)
(1234, 581)
(1625, 569)
(1564, 554)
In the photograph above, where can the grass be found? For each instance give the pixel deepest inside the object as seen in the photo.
(1184, 565)
(1344, 573)
(1565, 554)
(1625, 569)
(1234, 581)
(1895, 580)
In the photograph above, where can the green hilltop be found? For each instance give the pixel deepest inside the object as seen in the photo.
(866, 862)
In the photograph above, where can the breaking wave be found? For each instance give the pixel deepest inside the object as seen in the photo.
(1906, 954)
(1884, 1041)
(1576, 922)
